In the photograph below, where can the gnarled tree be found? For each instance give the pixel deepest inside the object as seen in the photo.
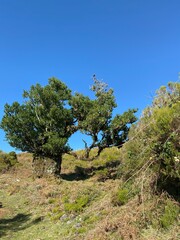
(42, 124)
(95, 118)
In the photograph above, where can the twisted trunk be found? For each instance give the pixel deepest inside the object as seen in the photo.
(58, 161)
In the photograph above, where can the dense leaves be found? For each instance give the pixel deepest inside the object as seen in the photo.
(49, 115)
(42, 124)
(7, 160)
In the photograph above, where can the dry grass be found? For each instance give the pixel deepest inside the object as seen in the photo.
(44, 200)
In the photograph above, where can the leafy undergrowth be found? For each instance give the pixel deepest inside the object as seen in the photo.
(89, 202)
(7, 161)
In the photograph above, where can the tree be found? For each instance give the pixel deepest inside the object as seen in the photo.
(94, 118)
(42, 124)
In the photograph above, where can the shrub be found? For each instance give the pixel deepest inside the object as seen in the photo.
(170, 215)
(154, 142)
(7, 160)
(12, 156)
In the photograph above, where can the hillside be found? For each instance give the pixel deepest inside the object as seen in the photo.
(81, 205)
(132, 192)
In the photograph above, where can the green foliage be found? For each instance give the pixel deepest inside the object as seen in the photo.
(120, 126)
(102, 175)
(120, 197)
(42, 124)
(49, 115)
(90, 219)
(51, 200)
(154, 141)
(7, 160)
(94, 118)
(78, 205)
(12, 158)
(165, 146)
(170, 215)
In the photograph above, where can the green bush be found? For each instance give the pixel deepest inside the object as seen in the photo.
(165, 147)
(154, 142)
(7, 160)
(12, 158)
(170, 215)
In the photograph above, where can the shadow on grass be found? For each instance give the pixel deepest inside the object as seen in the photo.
(81, 173)
(17, 223)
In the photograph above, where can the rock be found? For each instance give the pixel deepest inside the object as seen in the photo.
(63, 217)
(78, 225)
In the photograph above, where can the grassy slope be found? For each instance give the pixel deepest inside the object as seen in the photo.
(78, 206)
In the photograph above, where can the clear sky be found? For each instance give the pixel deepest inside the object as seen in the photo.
(133, 45)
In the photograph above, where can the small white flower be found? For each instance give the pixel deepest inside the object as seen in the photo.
(176, 159)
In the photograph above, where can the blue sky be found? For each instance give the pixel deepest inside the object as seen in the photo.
(133, 45)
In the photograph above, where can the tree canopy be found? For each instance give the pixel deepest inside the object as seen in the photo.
(95, 118)
(42, 124)
(49, 115)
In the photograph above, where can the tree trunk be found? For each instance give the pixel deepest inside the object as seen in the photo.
(58, 165)
(44, 166)
(38, 165)
(87, 152)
